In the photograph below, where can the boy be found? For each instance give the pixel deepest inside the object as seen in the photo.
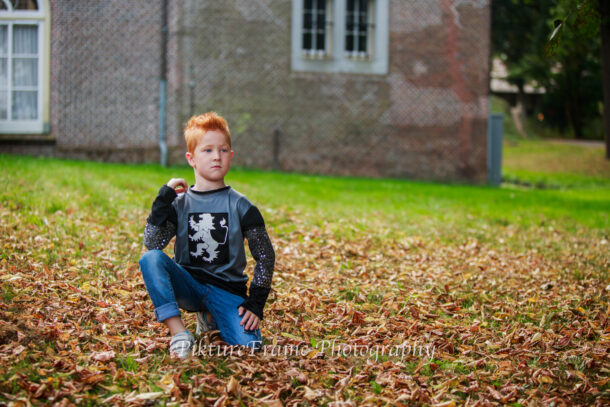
(210, 221)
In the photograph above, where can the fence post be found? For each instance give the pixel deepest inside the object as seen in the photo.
(494, 149)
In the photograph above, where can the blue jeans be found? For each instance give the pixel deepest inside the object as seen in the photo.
(170, 286)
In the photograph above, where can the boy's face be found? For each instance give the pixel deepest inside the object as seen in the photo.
(211, 158)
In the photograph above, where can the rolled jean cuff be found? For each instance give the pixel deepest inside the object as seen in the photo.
(167, 311)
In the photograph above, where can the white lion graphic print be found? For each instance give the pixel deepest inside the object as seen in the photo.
(208, 238)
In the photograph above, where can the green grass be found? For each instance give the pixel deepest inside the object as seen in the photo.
(348, 205)
(410, 204)
(554, 164)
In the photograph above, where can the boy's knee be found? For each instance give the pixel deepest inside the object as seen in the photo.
(152, 254)
(151, 257)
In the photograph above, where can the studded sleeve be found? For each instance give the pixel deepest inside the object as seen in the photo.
(161, 223)
(262, 252)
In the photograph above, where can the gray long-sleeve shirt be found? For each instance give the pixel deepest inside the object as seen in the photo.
(210, 228)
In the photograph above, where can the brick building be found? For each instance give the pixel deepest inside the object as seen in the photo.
(364, 87)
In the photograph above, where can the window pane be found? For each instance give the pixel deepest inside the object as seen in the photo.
(4, 105)
(24, 4)
(25, 72)
(349, 42)
(362, 43)
(363, 6)
(349, 22)
(3, 73)
(363, 22)
(25, 105)
(307, 20)
(321, 22)
(25, 39)
(306, 41)
(320, 42)
(3, 40)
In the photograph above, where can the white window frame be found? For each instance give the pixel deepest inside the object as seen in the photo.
(11, 18)
(337, 59)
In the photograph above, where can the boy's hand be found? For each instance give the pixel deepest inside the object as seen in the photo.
(250, 321)
(179, 184)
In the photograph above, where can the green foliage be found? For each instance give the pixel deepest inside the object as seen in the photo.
(568, 66)
(573, 18)
(519, 33)
(574, 87)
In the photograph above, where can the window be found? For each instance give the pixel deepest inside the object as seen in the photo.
(315, 27)
(340, 36)
(21, 73)
(358, 26)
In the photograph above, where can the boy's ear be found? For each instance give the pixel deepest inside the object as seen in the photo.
(189, 158)
(231, 153)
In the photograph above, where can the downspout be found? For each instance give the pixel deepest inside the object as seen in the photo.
(163, 84)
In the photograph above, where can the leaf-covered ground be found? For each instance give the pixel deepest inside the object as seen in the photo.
(372, 317)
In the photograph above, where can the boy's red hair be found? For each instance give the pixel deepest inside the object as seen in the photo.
(198, 125)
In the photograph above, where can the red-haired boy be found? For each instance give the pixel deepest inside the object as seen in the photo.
(210, 221)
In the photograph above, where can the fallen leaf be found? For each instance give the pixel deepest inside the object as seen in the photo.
(103, 356)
